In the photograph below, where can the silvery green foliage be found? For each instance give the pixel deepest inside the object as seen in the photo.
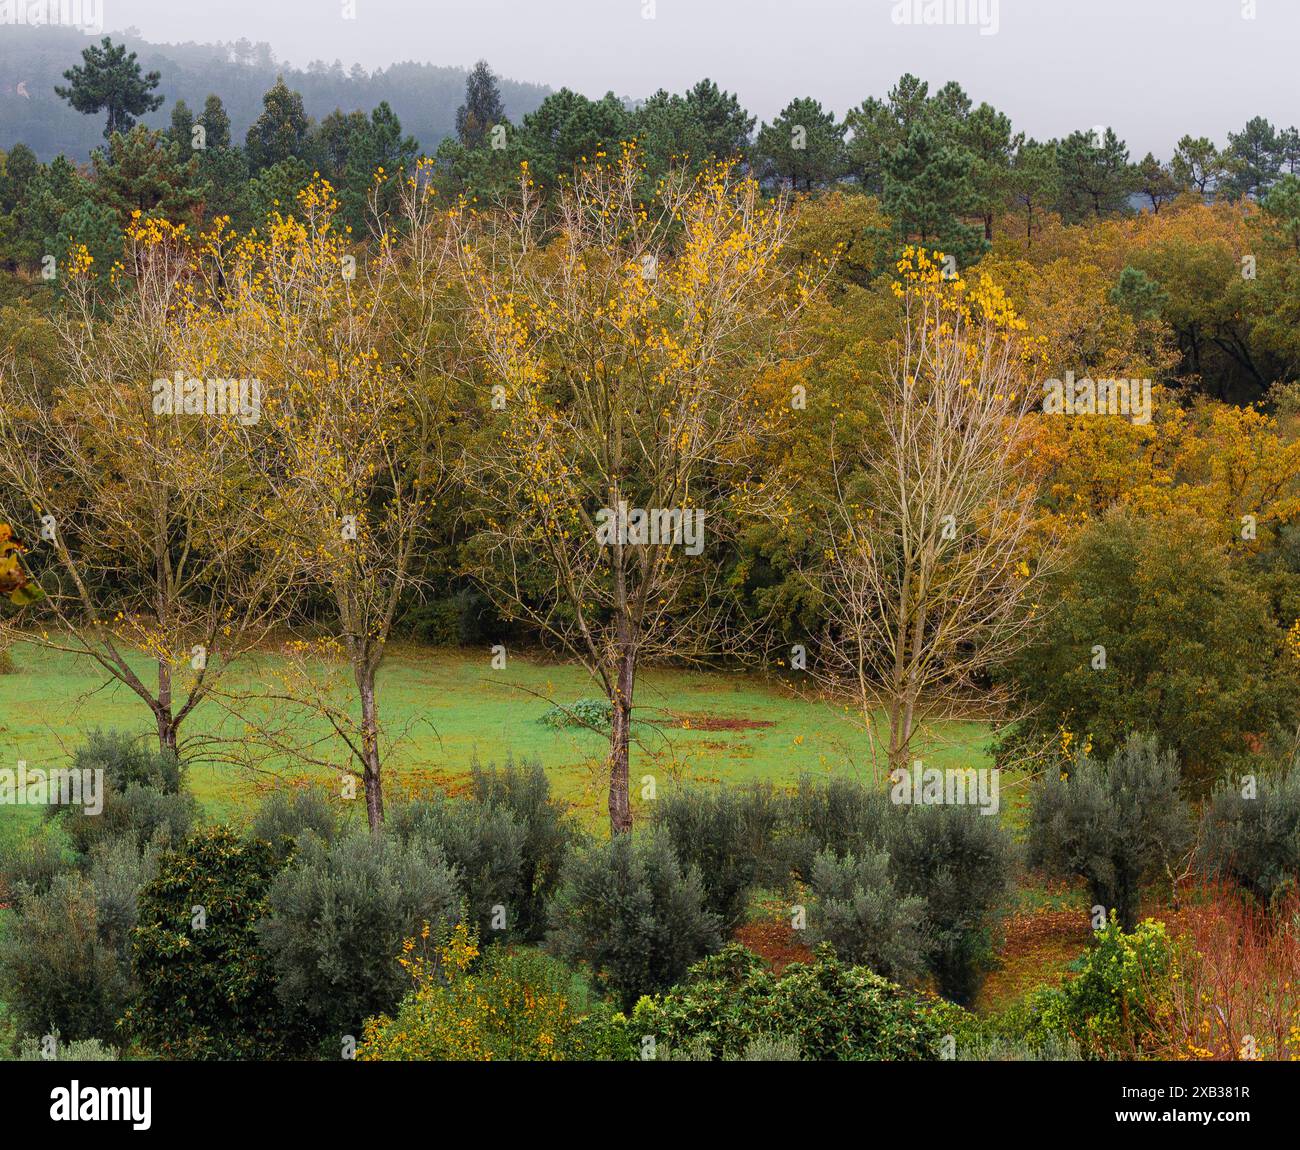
(287, 816)
(525, 793)
(959, 861)
(859, 912)
(58, 969)
(33, 1049)
(839, 814)
(33, 861)
(629, 909)
(1053, 1048)
(1117, 824)
(1251, 834)
(769, 1048)
(483, 844)
(338, 916)
(128, 760)
(727, 834)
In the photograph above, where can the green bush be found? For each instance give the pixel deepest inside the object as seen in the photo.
(1255, 841)
(959, 861)
(585, 714)
(1005, 1050)
(1118, 824)
(1194, 652)
(206, 989)
(140, 813)
(60, 966)
(129, 760)
(337, 919)
(1121, 992)
(841, 815)
(512, 1005)
(768, 1048)
(726, 834)
(33, 1049)
(525, 792)
(483, 844)
(628, 909)
(34, 860)
(858, 911)
(118, 872)
(830, 1011)
(284, 817)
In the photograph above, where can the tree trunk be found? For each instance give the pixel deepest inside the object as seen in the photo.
(370, 750)
(163, 709)
(620, 736)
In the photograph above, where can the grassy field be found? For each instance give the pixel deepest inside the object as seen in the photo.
(450, 706)
(453, 708)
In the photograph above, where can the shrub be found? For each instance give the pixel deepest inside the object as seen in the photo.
(861, 915)
(1053, 1049)
(117, 872)
(1122, 993)
(585, 714)
(829, 1010)
(283, 817)
(627, 908)
(512, 1005)
(770, 1048)
(840, 814)
(1117, 824)
(1254, 841)
(128, 760)
(60, 965)
(1237, 995)
(959, 861)
(338, 915)
(483, 844)
(767, 1048)
(34, 861)
(525, 792)
(206, 988)
(140, 813)
(726, 834)
(33, 1049)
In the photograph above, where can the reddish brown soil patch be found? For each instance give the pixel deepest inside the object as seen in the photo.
(719, 723)
(774, 942)
(1038, 945)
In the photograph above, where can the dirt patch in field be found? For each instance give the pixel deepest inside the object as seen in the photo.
(774, 942)
(720, 723)
(1038, 945)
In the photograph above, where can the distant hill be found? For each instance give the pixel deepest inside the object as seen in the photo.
(33, 60)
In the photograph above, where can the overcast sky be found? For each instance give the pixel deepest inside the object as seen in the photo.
(1152, 69)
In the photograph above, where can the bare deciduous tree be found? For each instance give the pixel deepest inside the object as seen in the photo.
(931, 564)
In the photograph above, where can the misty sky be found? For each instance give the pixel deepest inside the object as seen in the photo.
(1152, 69)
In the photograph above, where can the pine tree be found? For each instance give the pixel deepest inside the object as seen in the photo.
(280, 132)
(216, 124)
(142, 171)
(1095, 174)
(803, 145)
(181, 132)
(928, 190)
(110, 78)
(482, 107)
(1254, 158)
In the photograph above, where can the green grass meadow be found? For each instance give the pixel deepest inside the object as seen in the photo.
(445, 708)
